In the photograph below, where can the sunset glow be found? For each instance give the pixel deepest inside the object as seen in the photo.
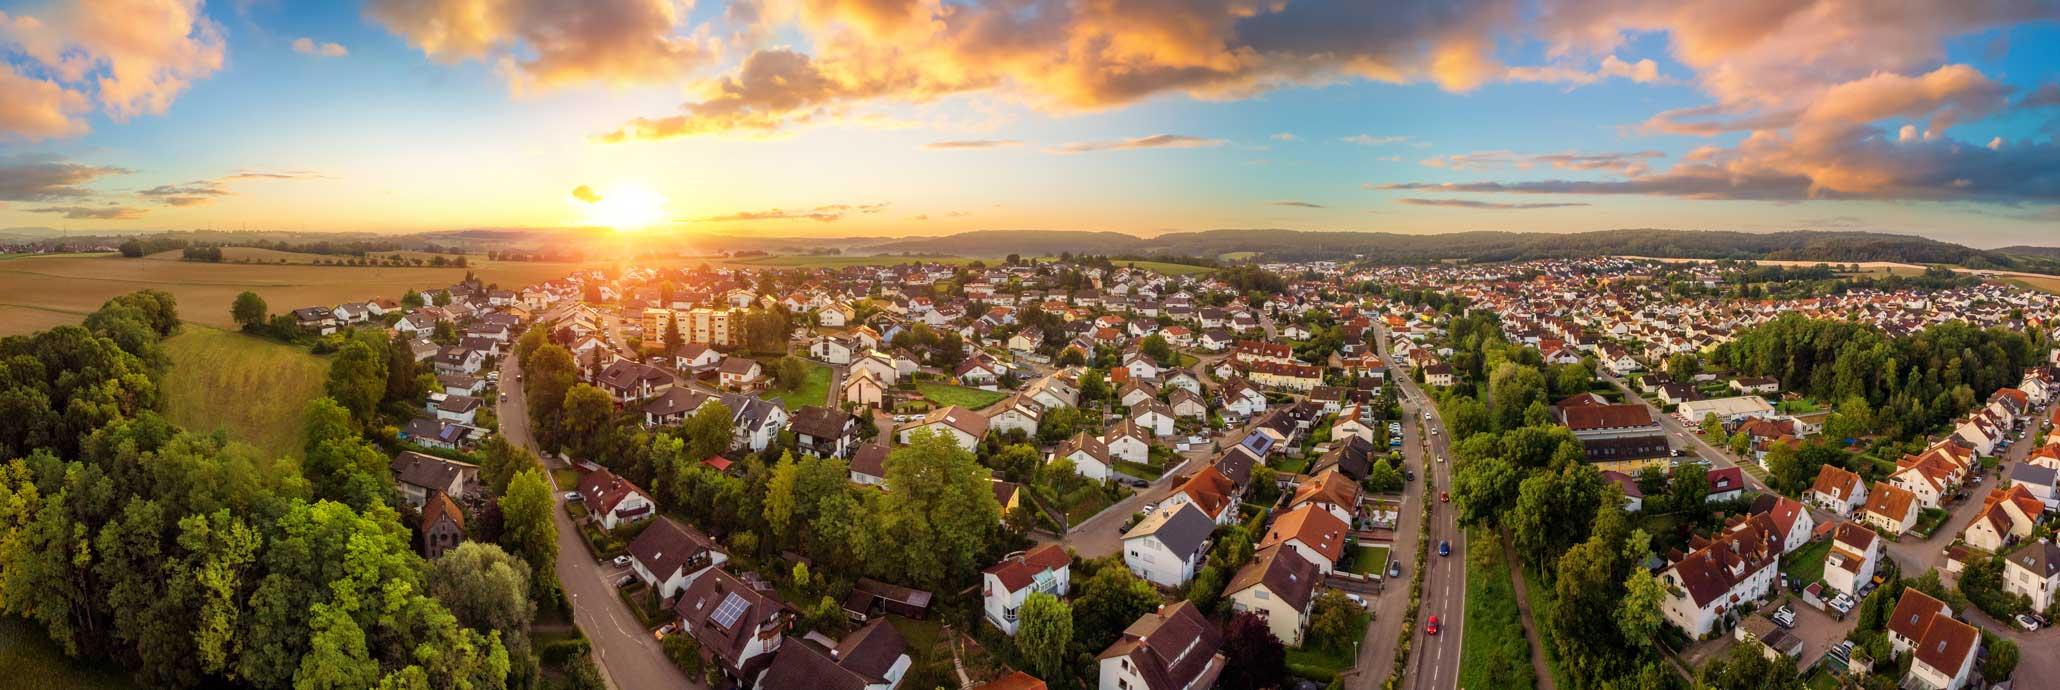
(628, 207)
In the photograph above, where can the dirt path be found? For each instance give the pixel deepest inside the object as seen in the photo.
(1539, 667)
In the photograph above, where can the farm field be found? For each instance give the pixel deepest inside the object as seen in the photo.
(33, 661)
(837, 260)
(254, 388)
(1170, 269)
(2043, 283)
(79, 284)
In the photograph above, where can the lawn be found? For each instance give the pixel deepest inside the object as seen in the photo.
(969, 398)
(33, 661)
(1494, 653)
(255, 388)
(1807, 563)
(1139, 470)
(1323, 660)
(1928, 521)
(1368, 559)
(815, 390)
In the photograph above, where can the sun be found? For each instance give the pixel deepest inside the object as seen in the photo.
(627, 207)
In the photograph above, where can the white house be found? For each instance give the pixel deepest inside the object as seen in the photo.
(668, 556)
(1089, 455)
(1168, 546)
(2034, 571)
(1837, 490)
(1855, 551)
(957, 423)
(1723, 577)
(1153, 415)
(1279, 585)
(1045, 569)
(1174, 648)
(612, 500)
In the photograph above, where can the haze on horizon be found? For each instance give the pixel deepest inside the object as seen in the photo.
(922, 117)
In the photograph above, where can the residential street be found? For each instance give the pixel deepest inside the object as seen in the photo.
(630, 659)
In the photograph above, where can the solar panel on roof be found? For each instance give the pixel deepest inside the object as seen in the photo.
(732, 608)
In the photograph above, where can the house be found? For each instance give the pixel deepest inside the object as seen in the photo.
(1725, 484)
(1005, 585)
(962, 426)
(1792, 520)
(418, 475)
(737, 628)
(870, 598)
(869, 464)
(1174, 648)
(317, 320)
(740, 373)
(458, 409)
(1015, 680)
(977, 372)
(757, 422)
(863, 388)
(1017, 414)
(881, 365)
(443, 525)
(433, 433)
(1634, 497)
(1153, 415)
(1314, 533)
(1187, 404)
(1726, 410)
(1722, 576)
(1756, 385)
(668, 556)
(1855, 551)
(1438, 374)
(1837, 490)
(1913, 614)
(673, 406)
(874, 657)
(1128, 441)
(1280, 586)
(824, 432)
(1331, 491)
(1090, 457)
(2006, 516)
(1615, 435)
(832, 349)
(2037, 479)
(2034, 571)
(1166, 548)
(611, 500)
(1209, 490)
(1945, 655)
(1891, 509)
(696, 358)
(1352, 456)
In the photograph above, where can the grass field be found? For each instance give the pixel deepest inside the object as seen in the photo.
(256, 389)
(1807, 563)
(1167, 268)
(1368, 559)
(1494, 653)
(2044, 283)
(814, 391)
(31, 660)
(969, 398)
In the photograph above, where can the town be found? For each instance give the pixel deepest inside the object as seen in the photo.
(1066, 472)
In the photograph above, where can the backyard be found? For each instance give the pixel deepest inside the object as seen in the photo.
(1368, 559)
(33, 661)
(256, 389)
(1806, 565)
(970, 398)
(814, 390)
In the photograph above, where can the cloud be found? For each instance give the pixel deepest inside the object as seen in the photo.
(1156, 141)
(1285, 136)
(1643, 71)
(109, 212)
(1370, 140)
(134, 57)
(32, 177)
(972, 144)
(200, 192)
(1467, 203)
(542, 44)
(1628, 163)
(1299, 204)
(821, 214)
(586, 194)
(308, 46)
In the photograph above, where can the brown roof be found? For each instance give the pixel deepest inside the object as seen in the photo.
(1858, 538)
(1913, 613)
(1210, 490)
(1317, 529)
(428, 471)
(1594, 417)
(819, 422)
(603, 490)
(1890, 501)
(1946, 644)
(761, 615)
(860, 660)
(1174, 647)
(871, 459)
(1783, 513)
(1018, 571)
(1711, 571)
(962, 419)
(1332, 487)
(1015, 680)
(1836, 481)
(1284, 572)
(440, 506)
(667, 547)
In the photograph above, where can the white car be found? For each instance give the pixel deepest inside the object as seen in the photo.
(2026, 622)
(620, 561)
(574, 496)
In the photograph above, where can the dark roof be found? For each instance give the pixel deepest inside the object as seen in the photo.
(676, 400)
(1598, 417)
(820, 422)
(668, 546)
(427, 471)
(754, 612)
(1284, 572)
(871, 459)
(2042, 559)
(1174, 647)
(1182, 529)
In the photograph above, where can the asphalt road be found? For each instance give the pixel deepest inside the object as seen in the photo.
(1436, 662)
(630, 659)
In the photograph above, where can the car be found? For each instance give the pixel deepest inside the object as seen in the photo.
(620, 561)
(1676, 452)
(574, 496)
(1394, 569)
(1783, 621)
(2026, 622)
(1444, 497)
(1444, 548)
(1441, 458)
(663, 630)
(518, 377)
(504, 397)
(1408, 475)
(1431, 628)
(626, 581)
(1149, 507)
(1356, 599)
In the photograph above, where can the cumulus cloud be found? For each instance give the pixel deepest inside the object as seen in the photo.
(29, 177)
(1156, 141)
(963, 144)
(308, 46)
(1468, 203)
(586, 194)
(1628, 163)
(134, 57)
(108, 212)
(821, 214)
(550, 43)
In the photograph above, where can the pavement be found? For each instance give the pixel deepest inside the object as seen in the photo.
(629, 657)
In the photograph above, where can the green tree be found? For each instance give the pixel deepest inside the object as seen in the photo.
(1638, 615)
(500, 460)
(526, 524)
(403, 373)
(2002, 658)
(357, 379)
(1044, 630)
(487, 589)
(249, 311)
(1333, 620)
(547, 376)
(940, 508)
(1745, 668)
(1109, 601)
(587, 417)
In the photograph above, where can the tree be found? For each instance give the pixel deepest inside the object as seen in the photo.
(1333, 619)
(790, 372)
(249, 311)
(1257, 658)
(1684, 366)
(1044, 630)
(1745, 668)
(1638, 615)
(1156, 347)
(940, 509)
(586, 418)
(403, 373)
(500, 460)
(1688, 490)
(548, 374)
(1094, 386)
(357, 379)
(527, 530)
(2002, 658)
(1109, 601)
(1383, 477)
(488, 590)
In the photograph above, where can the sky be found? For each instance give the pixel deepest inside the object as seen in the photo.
(924, 117)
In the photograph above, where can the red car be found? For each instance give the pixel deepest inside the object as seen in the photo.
(1432, 628)
(1444, 497)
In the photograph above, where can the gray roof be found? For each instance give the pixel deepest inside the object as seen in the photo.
(1181, 529)
(2027, 473)
(2042, 559)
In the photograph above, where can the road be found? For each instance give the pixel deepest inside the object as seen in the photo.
(630, 659)
(1682, 434)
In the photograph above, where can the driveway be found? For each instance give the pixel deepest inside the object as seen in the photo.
(630, 659)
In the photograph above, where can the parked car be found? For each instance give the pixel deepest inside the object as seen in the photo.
(1149, 507)
(620, 561)
(2026, 622)
(1394, 569)
(574, 496)
(626, 581)
(1139, 483)
(1356, 599)
(1444, 497)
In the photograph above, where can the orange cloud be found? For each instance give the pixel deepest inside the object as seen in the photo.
(35, 109)
(308, 46)
(134, 56)
(548, 43)
(1156, 141)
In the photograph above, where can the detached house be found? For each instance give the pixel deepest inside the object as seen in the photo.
(418, 475)
(874, 657)
(1174, 648)
(957, 423)
(611, 500)
(1855, 551)
(2034, 572)
(1892, 509)
(2006, 516)
(736, 627)
(668, 556)
(1090, 457)
(1166, 548)
(1005, 585)
(1313, 533)
(1837, 490)
(823, 431)
(1280, 586)
(740, 373)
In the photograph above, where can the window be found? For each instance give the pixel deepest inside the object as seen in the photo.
(1260, 593)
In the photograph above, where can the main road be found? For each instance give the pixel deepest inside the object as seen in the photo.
(629, 657)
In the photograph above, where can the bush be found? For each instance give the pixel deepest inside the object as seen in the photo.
(562, 652)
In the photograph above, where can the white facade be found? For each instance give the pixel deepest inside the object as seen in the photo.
(1150, 559)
